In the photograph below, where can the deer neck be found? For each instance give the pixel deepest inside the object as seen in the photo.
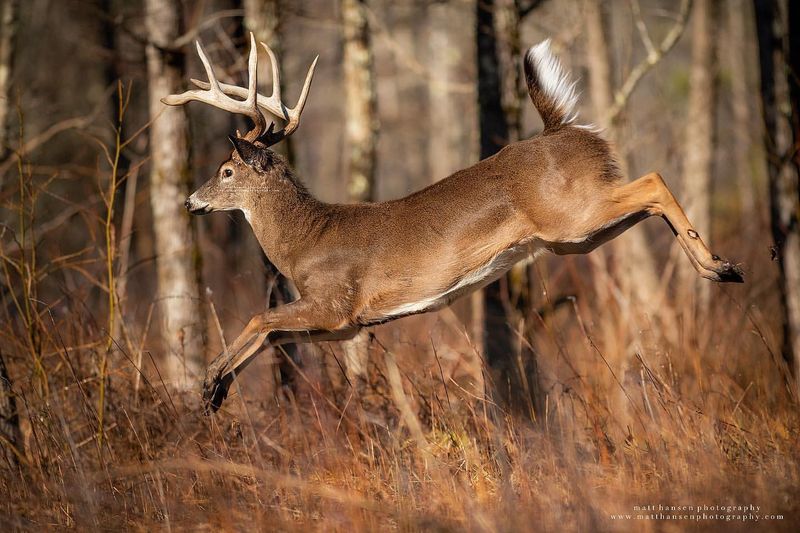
(282, 218)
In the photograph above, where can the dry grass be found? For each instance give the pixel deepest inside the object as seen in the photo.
(626, 418)
(711, 426)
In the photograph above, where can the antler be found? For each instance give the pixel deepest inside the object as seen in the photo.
(219, 95)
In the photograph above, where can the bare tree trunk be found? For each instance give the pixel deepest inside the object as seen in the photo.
(509, 52)
(448, 146)
(493, 136)
(10, 434)
(8, 29)
(514, 377)
(446, 137)
(598, 59)
(177, 262)
(699, 147)
(362, 135)
(263, 18)
(791, 189)
(635, 269)
(9, 421)
(779, 94)
(737, 58)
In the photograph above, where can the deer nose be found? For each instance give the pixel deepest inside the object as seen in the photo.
(187, 204)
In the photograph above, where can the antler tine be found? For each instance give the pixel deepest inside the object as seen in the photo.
(297, 110)
(212, 78)
(252, 91)
(214, 94)
(273, 103)
(276, 74)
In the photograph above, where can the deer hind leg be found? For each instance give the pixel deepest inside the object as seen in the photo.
(651, 192)
(635, 201)
(300, 317)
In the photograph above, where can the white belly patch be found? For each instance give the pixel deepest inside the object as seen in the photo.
(476, 279)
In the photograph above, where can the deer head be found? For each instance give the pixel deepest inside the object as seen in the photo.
(252, 172)
(252, 169)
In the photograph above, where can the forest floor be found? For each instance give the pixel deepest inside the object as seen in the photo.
(691, 438)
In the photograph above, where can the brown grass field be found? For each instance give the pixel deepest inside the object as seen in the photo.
(707, 422)
(630, 428)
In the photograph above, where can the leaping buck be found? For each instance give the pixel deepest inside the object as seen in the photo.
(364, 264)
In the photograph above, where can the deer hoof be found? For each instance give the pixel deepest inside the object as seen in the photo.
(729, 273)
(215, 390)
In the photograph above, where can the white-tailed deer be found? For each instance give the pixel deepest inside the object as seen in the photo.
(364, 264)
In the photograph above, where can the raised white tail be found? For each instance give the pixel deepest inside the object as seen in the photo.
(551, 89)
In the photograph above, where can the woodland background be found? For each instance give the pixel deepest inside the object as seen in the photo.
(564, 394)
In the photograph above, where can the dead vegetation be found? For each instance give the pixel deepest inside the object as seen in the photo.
(418, 445)
(622, 416)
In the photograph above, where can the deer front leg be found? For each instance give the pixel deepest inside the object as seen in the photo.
(299, 316)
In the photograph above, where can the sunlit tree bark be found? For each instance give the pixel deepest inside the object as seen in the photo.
(178, 257)
(738, 47)
(362, 133)
(699, 147)
(779, 53)
(10, 435)
(9, 10)
(446, 138)
(634, 270)
(9, 421)
(263, 18)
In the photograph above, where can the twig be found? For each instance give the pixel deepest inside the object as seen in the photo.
(642, 27)
(126, 230)
(441, 373)
(401, 401)
(623, 94)
(74, 123)
(187, 37)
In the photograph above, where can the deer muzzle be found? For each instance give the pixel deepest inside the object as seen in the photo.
(197, 207)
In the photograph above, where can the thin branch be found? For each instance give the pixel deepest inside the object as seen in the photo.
(400, 52)
(636, 8)
(623, 94)
(525, 7)
(190, 35)
(75, 123)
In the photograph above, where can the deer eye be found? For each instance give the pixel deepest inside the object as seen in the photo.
(227, 173)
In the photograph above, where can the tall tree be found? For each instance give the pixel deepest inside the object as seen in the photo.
(738, 47)
(601, 88)
(636, 274)
(362, 134)
(780, 96)
(9, 11)
(177, 261)
(514, 382)
(10, 434)
(449, 148)
(699, 148)
(446, 136)
(9, 421)
(361, 117)
(263, 18)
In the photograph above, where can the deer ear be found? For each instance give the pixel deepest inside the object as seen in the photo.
(248, 152)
